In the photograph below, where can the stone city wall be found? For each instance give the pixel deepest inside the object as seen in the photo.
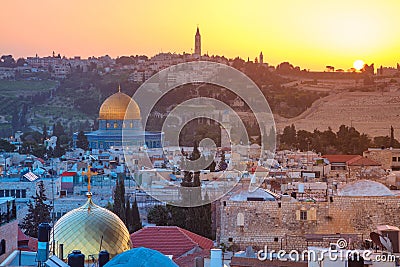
(294, 225)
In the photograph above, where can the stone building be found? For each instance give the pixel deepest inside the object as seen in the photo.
(8, 227)
(287, 223)
(389, 158)
(354, 166)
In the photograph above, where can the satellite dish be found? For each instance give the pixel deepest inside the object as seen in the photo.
(375, 237)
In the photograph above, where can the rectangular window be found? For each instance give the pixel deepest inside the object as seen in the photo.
(7, 194)
(23, 193)
(398, 159)
(1, 193)
(18, 193)
(2, 246)
(394, 159)
(303, 215)
(12, 193)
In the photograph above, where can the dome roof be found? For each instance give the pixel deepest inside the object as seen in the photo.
(141, 257)
(365, 188)
(259, 193)
(115, 107)
(86, 227)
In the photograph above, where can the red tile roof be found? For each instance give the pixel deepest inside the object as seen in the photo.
(170, 240)
(68, 174)
(340, 158)
(257, 169)
(351, 160)
(363, 162)
(189, 260)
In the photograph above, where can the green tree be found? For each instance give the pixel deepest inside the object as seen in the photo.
(196, 219)
(136, 223)
(385, 141)
(288, 136)
(128, 216)
(6, 146)
(158, 215)
(59, 150)
(44, 132)
(391, 136)
(212, 165)
(38, 212)
(58, 130)
(119, 199)
(82, 141)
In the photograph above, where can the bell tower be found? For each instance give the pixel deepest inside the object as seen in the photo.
(197, 43)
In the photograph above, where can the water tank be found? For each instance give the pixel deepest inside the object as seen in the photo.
(216, 257)
(43, 242)
(44, 232)
(76, 259)
(104, 257)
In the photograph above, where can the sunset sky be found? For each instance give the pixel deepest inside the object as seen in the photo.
(308, 33)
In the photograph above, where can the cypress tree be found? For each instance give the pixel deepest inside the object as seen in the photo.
(136, 223)
(81, 141)
(195, 219)
(128, 216)
(158, 215)
(38, 212)
(119, 199)
(44, 132)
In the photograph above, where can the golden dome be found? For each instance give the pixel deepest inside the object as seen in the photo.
(86, 227)
(115, 107)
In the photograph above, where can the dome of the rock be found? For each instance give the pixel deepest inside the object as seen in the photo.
(119, 106)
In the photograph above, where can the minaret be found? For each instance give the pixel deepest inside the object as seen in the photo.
(197, 43)
(261, 58)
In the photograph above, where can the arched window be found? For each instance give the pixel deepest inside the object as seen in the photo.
(131, 125)
(108, 125)
(115, 125)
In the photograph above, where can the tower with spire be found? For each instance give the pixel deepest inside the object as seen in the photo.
(261, 58)
(197, 43)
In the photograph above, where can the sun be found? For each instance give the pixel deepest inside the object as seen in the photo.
(358, 64)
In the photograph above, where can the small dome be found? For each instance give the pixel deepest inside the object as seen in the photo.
(141, 257)
(116, 106)
(258, 194)
(88, 226)
(365, 188)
